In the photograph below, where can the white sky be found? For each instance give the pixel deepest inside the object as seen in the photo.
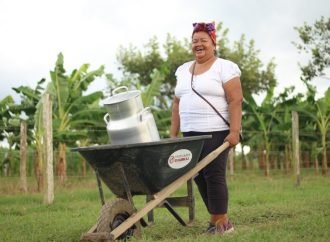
(33, 32)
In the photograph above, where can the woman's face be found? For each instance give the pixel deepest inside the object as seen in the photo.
(202, 45)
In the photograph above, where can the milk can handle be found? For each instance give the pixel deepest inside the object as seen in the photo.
(147, 109)
(118, 88)
(106, 118)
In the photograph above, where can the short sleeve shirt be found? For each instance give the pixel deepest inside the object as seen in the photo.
(195, 113)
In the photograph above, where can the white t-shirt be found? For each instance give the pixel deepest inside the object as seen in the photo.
(195, 113)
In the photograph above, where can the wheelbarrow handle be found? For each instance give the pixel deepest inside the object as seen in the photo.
(167, 191)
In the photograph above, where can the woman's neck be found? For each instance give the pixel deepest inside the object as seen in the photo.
(202, 66)
(205, 61)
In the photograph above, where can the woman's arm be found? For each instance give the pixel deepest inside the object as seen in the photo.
(234, 95)
(175, 119)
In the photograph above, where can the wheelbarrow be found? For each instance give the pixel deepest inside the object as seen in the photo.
(156, 169)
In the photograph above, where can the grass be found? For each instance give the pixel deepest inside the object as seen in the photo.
(262, 209)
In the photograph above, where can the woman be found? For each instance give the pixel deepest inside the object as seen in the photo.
(218, 81)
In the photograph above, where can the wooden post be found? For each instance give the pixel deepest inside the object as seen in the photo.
(295, 145)
(22, 166)
(48, 148)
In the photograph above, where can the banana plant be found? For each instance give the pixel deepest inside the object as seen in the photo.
(260, 124)
(319, 112)
(30, 102)
(6, 131)
(71, 109)
(282, 130)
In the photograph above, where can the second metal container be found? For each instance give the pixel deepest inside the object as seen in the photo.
(137, 128)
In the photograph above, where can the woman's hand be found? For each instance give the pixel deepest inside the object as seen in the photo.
(232, 138)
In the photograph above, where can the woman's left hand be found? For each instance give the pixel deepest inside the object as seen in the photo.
(232, 138)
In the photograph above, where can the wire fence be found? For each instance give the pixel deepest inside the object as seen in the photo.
(77, 166)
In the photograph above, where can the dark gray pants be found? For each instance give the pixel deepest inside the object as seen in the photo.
(211, 181)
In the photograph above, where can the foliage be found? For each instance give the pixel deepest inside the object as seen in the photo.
(261, 123)
(74, 112)
(138, 65)
(5, 116)
(318, 120)
(9, 124)
(315, 41)
(78, 117)
(255, 78)
(28, 105)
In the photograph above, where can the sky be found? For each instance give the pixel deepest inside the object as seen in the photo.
(34, 32)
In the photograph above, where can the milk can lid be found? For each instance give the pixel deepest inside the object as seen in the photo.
(121, 97)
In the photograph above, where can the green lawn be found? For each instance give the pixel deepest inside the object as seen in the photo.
(262, 209)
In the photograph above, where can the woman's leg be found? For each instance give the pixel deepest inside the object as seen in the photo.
(211, 181)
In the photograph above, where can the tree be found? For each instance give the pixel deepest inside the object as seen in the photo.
(7, 131)
(140, 65)
(71, 109)
(259, 124)
(315, 41)
(281, 138)
(30, 101)
(5, 115)
(318, 112)
(255, 78)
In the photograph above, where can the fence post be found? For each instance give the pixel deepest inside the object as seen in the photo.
(48, 149)
(22, 151)
(295, 145)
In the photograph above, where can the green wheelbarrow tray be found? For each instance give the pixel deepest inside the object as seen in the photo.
(148, 167)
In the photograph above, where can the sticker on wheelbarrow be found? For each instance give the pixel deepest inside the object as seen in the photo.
(179, 158)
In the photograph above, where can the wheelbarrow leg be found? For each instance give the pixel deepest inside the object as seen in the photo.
(187, 201)
(174, 213)
(99, 185)
(151, 213)
(128, 193)
(191, 200)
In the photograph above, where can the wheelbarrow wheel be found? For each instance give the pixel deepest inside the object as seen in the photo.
(115, 213)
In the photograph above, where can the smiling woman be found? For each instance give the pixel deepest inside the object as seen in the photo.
(208, 101)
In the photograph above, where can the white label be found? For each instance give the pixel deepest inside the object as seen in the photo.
(179, 158)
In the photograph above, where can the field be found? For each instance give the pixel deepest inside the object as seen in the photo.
(262, 209)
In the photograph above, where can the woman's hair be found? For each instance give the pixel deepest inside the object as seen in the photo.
(209, 28)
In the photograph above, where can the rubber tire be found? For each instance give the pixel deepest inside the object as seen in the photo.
(111, 212)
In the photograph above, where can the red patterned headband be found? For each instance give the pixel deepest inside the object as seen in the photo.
(206, 27)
